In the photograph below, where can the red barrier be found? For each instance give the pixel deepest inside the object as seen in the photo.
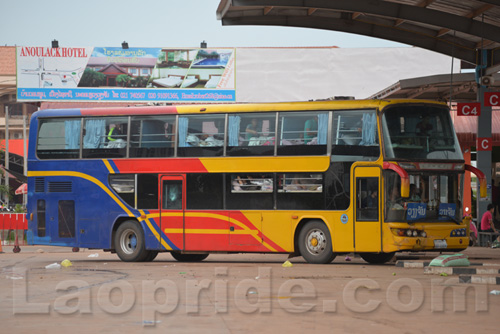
(13, 223)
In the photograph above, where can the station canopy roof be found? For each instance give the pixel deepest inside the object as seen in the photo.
(456, 87)
(457, 28)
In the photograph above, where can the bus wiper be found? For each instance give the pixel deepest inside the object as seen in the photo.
(452, 218)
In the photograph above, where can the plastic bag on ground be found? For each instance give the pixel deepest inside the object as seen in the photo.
(53, 266)
(455, 260)
(66, 263)
(287, 264)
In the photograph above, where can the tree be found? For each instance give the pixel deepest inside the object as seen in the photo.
(91, 78)
(123, 80)
(140, 81)
(5, 191)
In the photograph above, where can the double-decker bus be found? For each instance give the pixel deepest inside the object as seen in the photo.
(314, 179)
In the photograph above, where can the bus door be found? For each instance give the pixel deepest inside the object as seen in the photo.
(61, 219)
(172, 209)
(367, 222)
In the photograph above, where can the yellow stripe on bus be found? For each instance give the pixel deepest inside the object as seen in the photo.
(245, 229)
(86, 177)
(308, 164)
(209, 231)
(156, 234)
(108, 166)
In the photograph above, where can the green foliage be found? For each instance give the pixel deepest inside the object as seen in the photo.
(162, 57)
(5, 190)
(19, 208)
(91, 78)
(140, 81)
(123, 80)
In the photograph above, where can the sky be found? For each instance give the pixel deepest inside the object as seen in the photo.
(151, 23)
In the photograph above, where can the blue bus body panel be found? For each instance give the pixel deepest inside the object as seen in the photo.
(85, 183)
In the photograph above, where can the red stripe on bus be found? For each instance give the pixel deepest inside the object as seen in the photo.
(188, 165)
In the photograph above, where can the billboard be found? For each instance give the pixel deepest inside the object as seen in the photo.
(183, 75)
(112, 74)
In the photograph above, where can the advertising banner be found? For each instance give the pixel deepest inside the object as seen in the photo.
(94, 74)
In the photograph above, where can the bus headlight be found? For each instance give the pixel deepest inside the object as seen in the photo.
(415, 233)
(423, 234)
(409, 233)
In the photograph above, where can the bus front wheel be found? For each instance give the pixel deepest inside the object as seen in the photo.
(129, 242)
(315, 243)
(376, 258)
(189, 257)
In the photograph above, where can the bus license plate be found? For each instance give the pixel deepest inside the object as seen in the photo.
(440, 244)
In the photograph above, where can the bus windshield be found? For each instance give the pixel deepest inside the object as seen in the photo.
(419, 132)
(434, 196)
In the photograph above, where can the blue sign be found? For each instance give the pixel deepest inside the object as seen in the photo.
(344, 218)
(447, 210)
(125, 95)
(416, 211)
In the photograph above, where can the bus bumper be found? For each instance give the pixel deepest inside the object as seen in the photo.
(426, 238)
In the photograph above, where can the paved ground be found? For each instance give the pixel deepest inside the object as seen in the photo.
(242, 293)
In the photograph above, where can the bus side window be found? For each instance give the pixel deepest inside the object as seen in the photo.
(152, 136)
(367, 197)
(59, 138)
(354, 135)
(105, 137)
(201, 135)
(251, 134)
(172, 195)
(302, 133)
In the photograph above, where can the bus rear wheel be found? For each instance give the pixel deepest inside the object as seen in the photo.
(315, 243)
(150, 256)
(189, 257)
(376, 258)
(129, 242)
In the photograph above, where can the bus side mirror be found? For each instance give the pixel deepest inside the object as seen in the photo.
(405, 180)
(482, 180)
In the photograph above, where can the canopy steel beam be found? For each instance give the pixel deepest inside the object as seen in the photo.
(392, 10)
(361, 28)
(416, 25)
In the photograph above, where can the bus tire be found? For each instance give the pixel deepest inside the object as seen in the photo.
(189, 257)
(376, 258)
(151, 256)
(315, 243)
(130, 243)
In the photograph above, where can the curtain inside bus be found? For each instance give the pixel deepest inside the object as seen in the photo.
(183, 129)
(72, 134)
(233, 130)
(322, 128)
(369, 129)
(94, 133)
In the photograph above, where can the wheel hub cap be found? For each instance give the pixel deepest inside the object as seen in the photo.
(316, 242)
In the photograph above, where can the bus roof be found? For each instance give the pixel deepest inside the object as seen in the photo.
(228, 108)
